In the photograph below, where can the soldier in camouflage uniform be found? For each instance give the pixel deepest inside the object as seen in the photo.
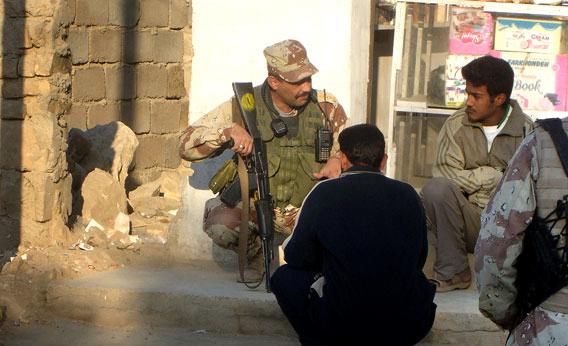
(531, 185)
(286, 94)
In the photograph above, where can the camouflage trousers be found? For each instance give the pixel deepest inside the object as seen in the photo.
(541, 327)
(222, 224)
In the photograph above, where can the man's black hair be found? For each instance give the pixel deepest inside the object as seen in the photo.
(496, 74)
(363, 144)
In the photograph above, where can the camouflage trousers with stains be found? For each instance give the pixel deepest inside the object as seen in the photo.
(222, 223)
(541, 327)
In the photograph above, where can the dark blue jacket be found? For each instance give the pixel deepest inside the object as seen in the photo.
(367, 234)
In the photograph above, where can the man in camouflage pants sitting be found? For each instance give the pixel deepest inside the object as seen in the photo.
(286, 94)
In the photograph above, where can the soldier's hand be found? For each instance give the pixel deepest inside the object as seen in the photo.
(332, 169)
(242, 141)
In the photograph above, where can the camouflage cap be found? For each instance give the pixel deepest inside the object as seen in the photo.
(289, 60)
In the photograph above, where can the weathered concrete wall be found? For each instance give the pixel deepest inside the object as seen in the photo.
(229, 37)
(35, 186)
(129, 61)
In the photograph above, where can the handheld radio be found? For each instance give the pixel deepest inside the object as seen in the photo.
(324, 135)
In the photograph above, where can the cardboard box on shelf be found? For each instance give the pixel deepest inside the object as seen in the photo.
(528, 35)
(455, 95)
(471, 31)
(546, 2)
(541, 80)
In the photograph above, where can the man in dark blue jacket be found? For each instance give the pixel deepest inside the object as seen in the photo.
(355, 258)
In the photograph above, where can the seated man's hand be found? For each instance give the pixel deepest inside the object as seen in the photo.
(493, 176)
(241, 139)
(332, 169)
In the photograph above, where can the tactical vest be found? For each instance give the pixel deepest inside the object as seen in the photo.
(291, 160)
(551, 186)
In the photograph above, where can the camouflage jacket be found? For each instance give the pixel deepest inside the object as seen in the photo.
(462, 157)
(503, 224)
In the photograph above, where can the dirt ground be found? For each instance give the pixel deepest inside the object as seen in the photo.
(71, 333)
(23, 321)
(25, 276)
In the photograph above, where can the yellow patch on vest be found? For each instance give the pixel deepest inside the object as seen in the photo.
(247, 101)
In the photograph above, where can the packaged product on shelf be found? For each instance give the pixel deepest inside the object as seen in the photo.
(471, 31)
(541, 80)
(528, 35)
(455, 95)
(547, 2)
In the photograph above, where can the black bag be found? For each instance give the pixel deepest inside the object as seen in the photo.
(542, 266)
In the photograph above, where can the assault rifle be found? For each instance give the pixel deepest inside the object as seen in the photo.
(257, 166)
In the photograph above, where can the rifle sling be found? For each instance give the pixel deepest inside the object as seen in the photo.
(245, 207)
(243, 228)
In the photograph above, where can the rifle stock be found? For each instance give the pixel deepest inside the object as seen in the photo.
(257, 164)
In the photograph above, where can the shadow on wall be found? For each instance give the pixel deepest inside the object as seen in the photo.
(87, 150)
(93, 148)
(204, 170)
(127, 77)
(11, 108)
(202, 173)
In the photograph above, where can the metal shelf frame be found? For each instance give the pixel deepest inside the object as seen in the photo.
(501, 7)
(400, 106)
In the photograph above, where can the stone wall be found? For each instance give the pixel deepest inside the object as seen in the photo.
(35, 186)
(130, 59)
(77, 64)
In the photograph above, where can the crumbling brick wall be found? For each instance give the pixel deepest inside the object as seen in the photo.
(129, 60)
(81, 63)
(35, 186)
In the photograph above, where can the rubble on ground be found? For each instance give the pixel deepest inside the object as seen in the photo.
(108, 147)
(100, 158)
(109, 226)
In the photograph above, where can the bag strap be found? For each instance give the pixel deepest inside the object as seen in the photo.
(556, 131)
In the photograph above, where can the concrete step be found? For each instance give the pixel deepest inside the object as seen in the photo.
(199, 298)
(207, 297)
